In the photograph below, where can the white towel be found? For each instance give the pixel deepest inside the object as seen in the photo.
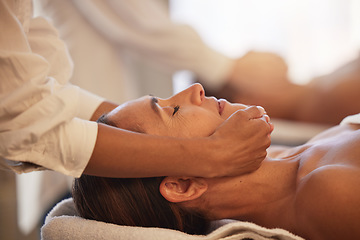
(62, 223)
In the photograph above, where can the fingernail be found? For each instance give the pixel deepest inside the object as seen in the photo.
(262, 110)
(271, 127)
(267, 118)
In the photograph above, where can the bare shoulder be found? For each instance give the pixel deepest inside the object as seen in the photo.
(328, 203)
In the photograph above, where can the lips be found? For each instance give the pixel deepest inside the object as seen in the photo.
(222, 103)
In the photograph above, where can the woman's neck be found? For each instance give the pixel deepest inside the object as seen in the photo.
(260, 197)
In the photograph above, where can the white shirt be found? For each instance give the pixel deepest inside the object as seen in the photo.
(40, 125)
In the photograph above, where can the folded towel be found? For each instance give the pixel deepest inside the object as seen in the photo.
(62, 223)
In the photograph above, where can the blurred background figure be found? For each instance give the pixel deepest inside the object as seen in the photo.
(261, 78)
(298, 59)
(132, 47)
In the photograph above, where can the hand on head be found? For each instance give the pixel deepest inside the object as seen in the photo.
(243, 139)
(239, 135)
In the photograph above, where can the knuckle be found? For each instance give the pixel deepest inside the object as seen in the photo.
(238, 114)
(251, 110)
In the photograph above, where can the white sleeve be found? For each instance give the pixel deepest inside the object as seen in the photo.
(65, 149)
(145, 27)
(44, 41)
(88, 103)
(37, 106)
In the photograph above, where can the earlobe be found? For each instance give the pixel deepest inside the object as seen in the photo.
(178, 189)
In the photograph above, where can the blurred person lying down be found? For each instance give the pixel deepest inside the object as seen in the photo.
(311, 190)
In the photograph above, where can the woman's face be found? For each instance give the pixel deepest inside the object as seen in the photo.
(186, 114)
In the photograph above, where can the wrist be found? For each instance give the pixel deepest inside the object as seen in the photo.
(203, 158)
(211, 158)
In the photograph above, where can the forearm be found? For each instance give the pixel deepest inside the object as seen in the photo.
(283, 101)
(120, 153)
(332, 97)
(330, 101)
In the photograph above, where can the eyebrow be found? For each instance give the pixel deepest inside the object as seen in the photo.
(105, 120)
(153, 102)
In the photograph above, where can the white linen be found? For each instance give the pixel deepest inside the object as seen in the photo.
(62, 223)
(38, 108)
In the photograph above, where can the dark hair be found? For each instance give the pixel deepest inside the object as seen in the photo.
(133, 202)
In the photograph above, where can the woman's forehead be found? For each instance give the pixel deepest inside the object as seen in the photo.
(128, 108)
(135, 115)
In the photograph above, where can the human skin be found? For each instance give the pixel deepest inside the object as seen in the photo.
(310, 190)
(187, 114)
(120, 153)
(261, 78)
(230, 150)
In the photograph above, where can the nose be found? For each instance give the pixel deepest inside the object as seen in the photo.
(195, 94)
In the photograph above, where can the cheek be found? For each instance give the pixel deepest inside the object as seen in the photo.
(192, 123)
(203, 125)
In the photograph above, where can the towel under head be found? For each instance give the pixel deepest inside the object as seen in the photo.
(63, 223)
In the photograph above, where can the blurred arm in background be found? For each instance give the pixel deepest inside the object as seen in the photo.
(261, 78)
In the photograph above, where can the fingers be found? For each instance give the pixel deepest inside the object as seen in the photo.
(255, 112)
(252, 112)
(252, 120)
(266, 118)
(261, 113)
(250, 129)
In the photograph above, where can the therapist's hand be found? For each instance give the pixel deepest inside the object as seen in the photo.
(241, 142)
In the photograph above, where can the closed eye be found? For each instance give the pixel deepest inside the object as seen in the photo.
(176, 108)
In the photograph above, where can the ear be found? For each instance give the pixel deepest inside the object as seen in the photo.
(179, 189)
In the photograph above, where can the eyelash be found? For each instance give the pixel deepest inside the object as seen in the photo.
(176, 108)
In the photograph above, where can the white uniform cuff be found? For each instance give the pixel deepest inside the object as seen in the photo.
(88, 103)
(83, 138)
(67, 150)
